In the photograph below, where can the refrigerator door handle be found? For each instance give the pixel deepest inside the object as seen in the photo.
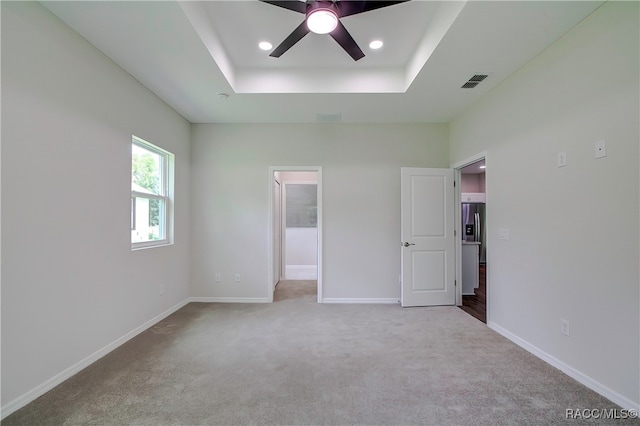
(476, 231)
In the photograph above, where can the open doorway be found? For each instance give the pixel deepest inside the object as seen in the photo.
(473, 238)
(296, 229)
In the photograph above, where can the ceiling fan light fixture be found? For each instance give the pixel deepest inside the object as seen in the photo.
(322, 21)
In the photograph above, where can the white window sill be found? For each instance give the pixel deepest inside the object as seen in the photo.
(148, 245)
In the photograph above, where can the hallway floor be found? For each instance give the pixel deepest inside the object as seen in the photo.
(476, 305)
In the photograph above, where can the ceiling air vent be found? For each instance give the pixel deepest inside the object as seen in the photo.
(334, 117)
(474, 81)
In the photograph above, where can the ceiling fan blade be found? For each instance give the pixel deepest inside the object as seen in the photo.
(295, 5)
(347, 8)
(344, 39)
(297, 34)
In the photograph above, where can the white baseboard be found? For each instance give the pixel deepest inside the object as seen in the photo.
(373, 300)
(592, 384)
(301, 272)
(229, 299)
(45, 387)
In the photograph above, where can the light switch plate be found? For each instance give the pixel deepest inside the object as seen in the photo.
(600, 149)
(503, 233)
(562, 159)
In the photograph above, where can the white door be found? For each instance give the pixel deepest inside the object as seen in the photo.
(428, 243)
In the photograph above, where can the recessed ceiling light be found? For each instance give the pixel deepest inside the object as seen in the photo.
(265, 45)
(483, 167)
(376, 44)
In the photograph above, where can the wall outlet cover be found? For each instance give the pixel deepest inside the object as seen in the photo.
(600, 149)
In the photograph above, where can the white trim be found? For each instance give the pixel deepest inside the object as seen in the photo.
(45, 387)
(592, 384)
(229, 299)
(457, 212)
(362, 300)
(300, 272)
(281, 238)
(151, 244)
(270, 255)
(473, 159)
(136, 194)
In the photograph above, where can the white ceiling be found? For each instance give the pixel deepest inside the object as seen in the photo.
(189, 52)
(476, 168)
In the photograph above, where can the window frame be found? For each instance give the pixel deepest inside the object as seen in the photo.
(165, 194)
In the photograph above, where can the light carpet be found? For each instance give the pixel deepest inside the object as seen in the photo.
(296, 362)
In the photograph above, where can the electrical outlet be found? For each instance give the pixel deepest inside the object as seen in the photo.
(161, 289)
(600, 149)
(237, 278)
(564, 327)
(218, 278)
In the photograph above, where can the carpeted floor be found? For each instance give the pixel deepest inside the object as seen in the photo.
(296, 362)
(300, 291)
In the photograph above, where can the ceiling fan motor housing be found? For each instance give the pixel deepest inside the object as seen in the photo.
(322, 10)
(321, 5)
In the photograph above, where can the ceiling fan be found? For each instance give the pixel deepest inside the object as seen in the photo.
(323, 17)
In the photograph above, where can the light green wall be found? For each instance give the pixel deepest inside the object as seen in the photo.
(71, 286)
(573, 251)
(361, 201)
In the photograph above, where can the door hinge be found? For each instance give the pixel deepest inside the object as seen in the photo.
(455, 283)
(454, 183)
(455, 233)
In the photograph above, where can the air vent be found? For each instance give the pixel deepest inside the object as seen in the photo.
(474, 81)
(478, 77)
(333, 117)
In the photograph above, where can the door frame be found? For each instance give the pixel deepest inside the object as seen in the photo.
(458, 213)
(270, 254)
(277, 276)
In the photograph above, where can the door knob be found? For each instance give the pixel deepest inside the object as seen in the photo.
(408, 244)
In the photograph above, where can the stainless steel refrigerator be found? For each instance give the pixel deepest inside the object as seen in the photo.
(473, 229)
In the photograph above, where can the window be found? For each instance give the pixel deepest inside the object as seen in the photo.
(151, 169)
